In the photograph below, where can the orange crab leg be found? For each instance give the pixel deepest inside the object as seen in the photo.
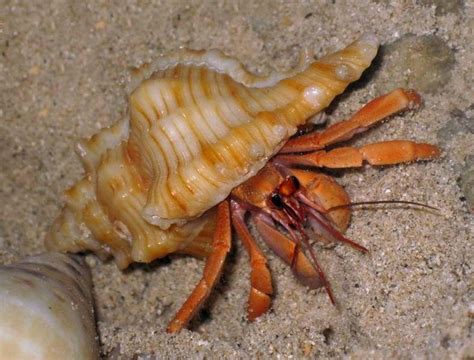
(285, 249)
(383, 153)
(260, 277)
(212, 270)
(372, 113)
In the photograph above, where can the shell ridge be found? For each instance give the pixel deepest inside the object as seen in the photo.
(178, 140)
(156, 100)
(193, 141)
(162, 142)
(224, 105)
(90, 150)
(218, 126)
(233, 105)
(196, 93)
(212, 59)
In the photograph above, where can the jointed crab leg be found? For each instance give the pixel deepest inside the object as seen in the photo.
(382, 153)
(260, 278)
(212, 270)
(285, 249)
(304, 240)
(375, 111)
(308, 273)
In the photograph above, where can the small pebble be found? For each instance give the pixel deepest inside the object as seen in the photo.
(100, 25)
(460, 123)
(444, 7)
(422, 62)
(34, 70)
(466, 182)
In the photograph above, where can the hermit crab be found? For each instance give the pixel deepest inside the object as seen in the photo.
(206, 144)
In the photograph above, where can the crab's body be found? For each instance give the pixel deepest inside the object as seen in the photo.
(200, 128)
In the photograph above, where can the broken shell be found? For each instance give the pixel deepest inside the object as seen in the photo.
(46, 309)
(200, 125)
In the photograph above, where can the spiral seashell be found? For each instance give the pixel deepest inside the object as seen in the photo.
(46, 309)
(199, 125)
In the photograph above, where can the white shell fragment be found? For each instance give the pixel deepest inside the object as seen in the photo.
(46, 309)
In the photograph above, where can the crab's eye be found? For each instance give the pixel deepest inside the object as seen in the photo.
(276, 200)
(289, 186)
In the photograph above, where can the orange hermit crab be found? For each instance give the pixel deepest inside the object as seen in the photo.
(207, 143)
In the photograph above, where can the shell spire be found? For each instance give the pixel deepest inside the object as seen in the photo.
(199, 125)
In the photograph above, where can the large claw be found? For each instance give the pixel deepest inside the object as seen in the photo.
(285, 249)
(327, 194)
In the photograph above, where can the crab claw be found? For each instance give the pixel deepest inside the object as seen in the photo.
(320, 192)
(285, 249)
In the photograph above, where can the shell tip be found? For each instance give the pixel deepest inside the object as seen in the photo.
(370, 39)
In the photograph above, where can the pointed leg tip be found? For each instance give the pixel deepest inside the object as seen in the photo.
(357, 246)
(174, 327)
(259, 304)
(433, 151)
(331, 295)
(414, 98)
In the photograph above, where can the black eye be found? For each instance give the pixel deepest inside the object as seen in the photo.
(276, 200)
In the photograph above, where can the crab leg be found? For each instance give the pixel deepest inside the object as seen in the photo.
(372, 113)
(212, 270)
(285, 249)
(260, 277)
(382, 153)
(300, 238)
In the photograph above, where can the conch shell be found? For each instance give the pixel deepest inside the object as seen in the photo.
(199, 125)
(46, 309)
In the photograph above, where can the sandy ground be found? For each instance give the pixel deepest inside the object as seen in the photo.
(64, 67)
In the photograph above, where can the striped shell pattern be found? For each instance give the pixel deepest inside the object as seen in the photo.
(199, 125)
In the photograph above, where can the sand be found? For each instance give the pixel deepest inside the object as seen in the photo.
(63, 70)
